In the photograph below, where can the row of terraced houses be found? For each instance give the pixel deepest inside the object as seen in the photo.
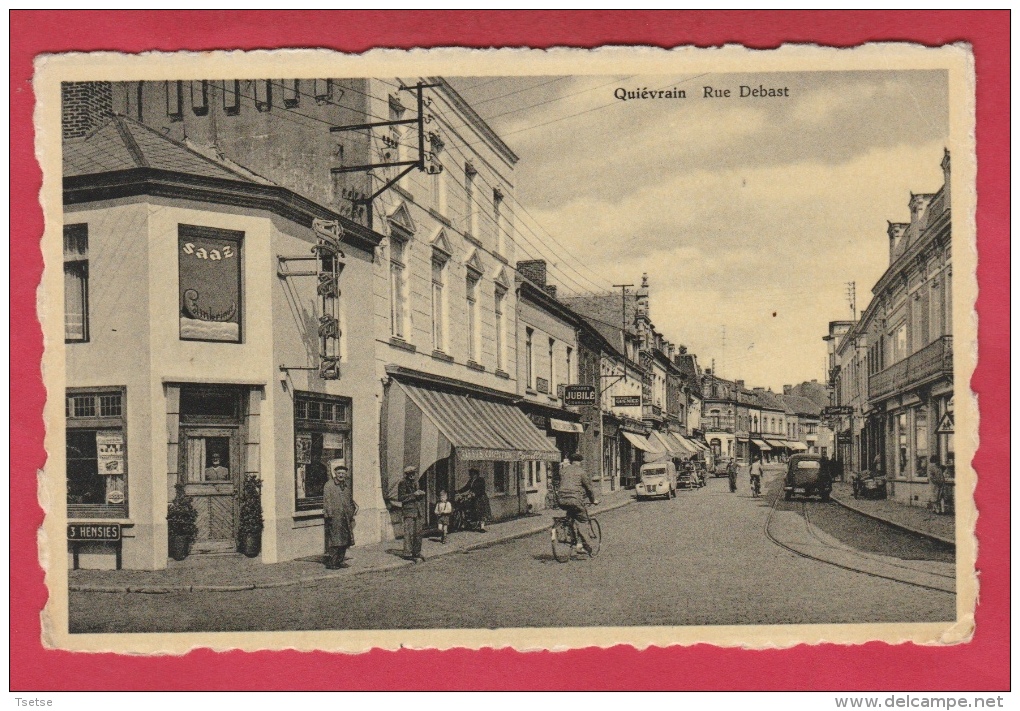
(263, 278)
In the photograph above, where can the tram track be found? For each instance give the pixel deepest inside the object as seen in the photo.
(937, 585)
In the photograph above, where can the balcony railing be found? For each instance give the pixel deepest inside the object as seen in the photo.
(931, 362)
(651, 410)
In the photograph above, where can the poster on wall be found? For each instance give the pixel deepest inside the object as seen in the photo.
(110, 453)
(210, 284)
(303, 449)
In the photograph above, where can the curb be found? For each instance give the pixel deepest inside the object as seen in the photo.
(900, 526)
(165, 589)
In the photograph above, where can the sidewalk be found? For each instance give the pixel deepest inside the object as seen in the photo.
(234, 572)
(915, 519)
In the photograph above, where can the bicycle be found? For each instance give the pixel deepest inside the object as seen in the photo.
(756, 486)
(565, 537)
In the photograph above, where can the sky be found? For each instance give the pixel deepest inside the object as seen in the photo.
(748, 215)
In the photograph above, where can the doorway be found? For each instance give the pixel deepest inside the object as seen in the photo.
(210, 472)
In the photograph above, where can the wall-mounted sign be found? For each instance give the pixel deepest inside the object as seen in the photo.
(837, 410)
(627, 401)
(575, 395)
(542, 385)
(93, 532)
(946, 424)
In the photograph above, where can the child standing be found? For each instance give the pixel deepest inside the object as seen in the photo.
(444, 509)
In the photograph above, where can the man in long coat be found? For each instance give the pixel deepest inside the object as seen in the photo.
(339, 510)
(411, 501)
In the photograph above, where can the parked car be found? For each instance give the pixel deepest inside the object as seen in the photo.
(657, 479)
(807, 474)
(869, 486)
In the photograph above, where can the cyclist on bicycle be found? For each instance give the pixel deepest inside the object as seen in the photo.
(756, 472)
(575, 490)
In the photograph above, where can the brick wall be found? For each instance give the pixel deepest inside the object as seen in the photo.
(85, 105)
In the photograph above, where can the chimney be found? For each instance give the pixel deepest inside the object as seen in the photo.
(85, 105)
(533, 270)
(708, 371)
(551, 290)
(919, 205)
(641, 300)
(895, 231)
(740, 384)
(787, 390)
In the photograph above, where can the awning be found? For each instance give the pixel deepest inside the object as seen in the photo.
(778, 444)
(564, 426)
(668, 444)
(798, 446)
(423, 425)
(762, 445)
(688, 445)
(637, 441)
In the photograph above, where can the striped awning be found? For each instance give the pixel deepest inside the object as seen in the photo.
(637, 441)
(424, 426)
(762, 445)
(482, 430)
(798, 446)
(686, 445)
(778, 444)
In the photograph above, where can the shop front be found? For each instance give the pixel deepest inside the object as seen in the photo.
(446, 432)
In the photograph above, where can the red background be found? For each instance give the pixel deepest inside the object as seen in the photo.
(983, 664)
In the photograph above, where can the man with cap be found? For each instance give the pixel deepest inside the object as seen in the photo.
(338, 510)
(411, 501)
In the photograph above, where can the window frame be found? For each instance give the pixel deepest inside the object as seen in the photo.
(319, 426)
(77, 262)
(472, 284)
(499, 300)
(501, 470)
(398, 286)
(440, 331)
(96, 423)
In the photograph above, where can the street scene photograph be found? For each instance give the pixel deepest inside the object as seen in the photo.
(482, 351)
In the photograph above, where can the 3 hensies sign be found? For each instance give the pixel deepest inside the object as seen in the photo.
(210, 284)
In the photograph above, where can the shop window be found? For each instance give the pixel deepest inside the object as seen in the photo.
(921, 444)
(96, 454)
(76, 283)
(209, 284)
(902, 445)
(501, 477)
(322, 434)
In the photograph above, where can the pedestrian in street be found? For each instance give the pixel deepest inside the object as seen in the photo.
(480, 509)
(412, 510)
(937, 482)
(444, 510)
(731, 473)
(338, 511)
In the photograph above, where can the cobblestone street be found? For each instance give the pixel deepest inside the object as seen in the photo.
(701, 559)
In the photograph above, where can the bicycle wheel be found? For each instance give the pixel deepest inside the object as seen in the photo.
(595, 539)
(562, 547)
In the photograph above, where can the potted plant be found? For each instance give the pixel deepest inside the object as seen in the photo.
(249, 530)
(180, 521)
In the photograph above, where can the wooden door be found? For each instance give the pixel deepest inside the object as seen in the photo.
(210, 468)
